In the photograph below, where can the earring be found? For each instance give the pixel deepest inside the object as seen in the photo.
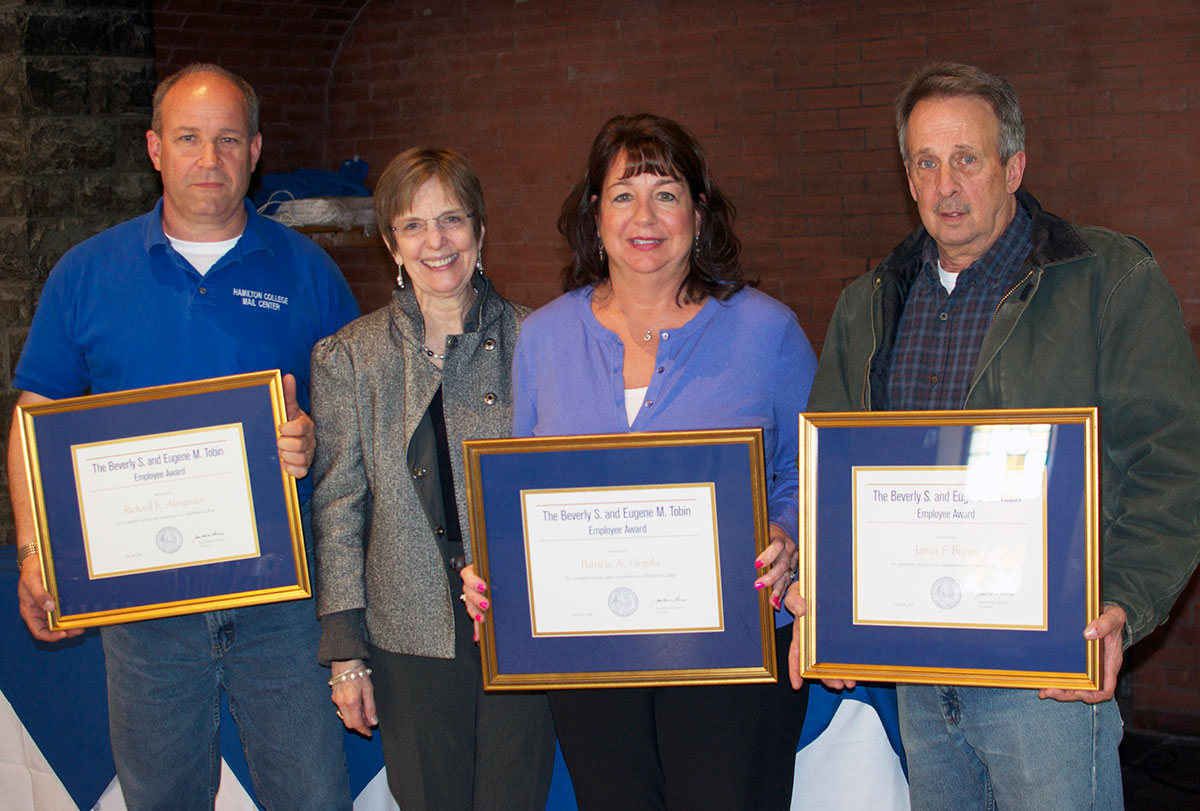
(479, 263)
(696, 246)
(400, 274)
(601, 251)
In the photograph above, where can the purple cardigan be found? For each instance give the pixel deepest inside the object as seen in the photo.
(740, 363)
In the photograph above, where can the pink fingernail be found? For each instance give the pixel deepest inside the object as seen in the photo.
(775, 602)
(758, 584)
(483, 604)
(758, 564)
(480, 587)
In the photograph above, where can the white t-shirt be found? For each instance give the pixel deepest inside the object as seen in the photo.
(633, 401)
(948, 279)
(202, 255)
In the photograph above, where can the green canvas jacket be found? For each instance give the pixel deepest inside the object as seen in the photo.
(1092, 322)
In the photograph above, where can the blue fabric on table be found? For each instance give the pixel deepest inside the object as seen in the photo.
(57, 689)
(347, 181)
(58, 692)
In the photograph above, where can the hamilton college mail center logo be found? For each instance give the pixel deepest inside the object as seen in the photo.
(257, 298)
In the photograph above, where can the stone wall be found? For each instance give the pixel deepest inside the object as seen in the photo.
(76, 81)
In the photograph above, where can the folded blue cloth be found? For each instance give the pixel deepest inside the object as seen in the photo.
(345, 182)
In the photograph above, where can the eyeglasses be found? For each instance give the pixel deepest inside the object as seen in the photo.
(447, 224)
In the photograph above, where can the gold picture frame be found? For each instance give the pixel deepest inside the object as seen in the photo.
(689, 507)
(951, 547)
(162, 501)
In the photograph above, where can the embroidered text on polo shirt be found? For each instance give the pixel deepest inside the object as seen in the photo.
(257, 298)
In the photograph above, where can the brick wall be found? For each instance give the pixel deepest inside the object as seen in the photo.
(1163, 672)
(283, 48)
(286, 49)
(792, 100)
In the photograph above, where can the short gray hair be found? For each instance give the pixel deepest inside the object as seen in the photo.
(248, 94)
(954, 79)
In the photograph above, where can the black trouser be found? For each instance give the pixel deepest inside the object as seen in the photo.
(720, 747)
(449, 746)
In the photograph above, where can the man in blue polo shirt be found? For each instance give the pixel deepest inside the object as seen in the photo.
(201, 286)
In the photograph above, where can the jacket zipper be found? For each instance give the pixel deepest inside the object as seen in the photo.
(996, 312)
(1028, 276)
(865, 398)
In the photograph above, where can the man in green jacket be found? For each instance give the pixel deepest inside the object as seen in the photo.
(993, 304)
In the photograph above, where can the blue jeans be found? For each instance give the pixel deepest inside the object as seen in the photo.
(165, 679)
(993, 748)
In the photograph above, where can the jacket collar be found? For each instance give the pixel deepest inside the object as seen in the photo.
(407, 318)
(1054, 241)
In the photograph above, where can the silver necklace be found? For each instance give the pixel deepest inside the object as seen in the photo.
(649, 334)
(474, 290)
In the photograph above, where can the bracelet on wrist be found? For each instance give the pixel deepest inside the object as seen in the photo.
(29, 550)
(360, 672)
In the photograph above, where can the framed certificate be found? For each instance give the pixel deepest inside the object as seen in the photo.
(951, 547)
(164, 501)
(621, 559)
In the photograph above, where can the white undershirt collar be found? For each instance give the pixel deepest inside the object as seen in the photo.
(948, 279)
(202, 255)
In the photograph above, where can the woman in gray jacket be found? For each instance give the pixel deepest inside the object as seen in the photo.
(394, 394)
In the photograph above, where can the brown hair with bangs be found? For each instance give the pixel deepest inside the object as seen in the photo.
(665, 148)
(410, 170)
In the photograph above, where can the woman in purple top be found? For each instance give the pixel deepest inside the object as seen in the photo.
(658, 331)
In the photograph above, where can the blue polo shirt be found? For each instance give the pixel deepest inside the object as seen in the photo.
(124, 310)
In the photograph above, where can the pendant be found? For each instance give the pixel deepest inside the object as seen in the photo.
(648, 335)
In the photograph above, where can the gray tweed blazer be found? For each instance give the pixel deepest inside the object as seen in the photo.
(371, 386)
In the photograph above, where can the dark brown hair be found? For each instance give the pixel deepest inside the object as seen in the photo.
(665, 148)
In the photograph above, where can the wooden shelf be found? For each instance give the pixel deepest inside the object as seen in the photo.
(330, 237)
